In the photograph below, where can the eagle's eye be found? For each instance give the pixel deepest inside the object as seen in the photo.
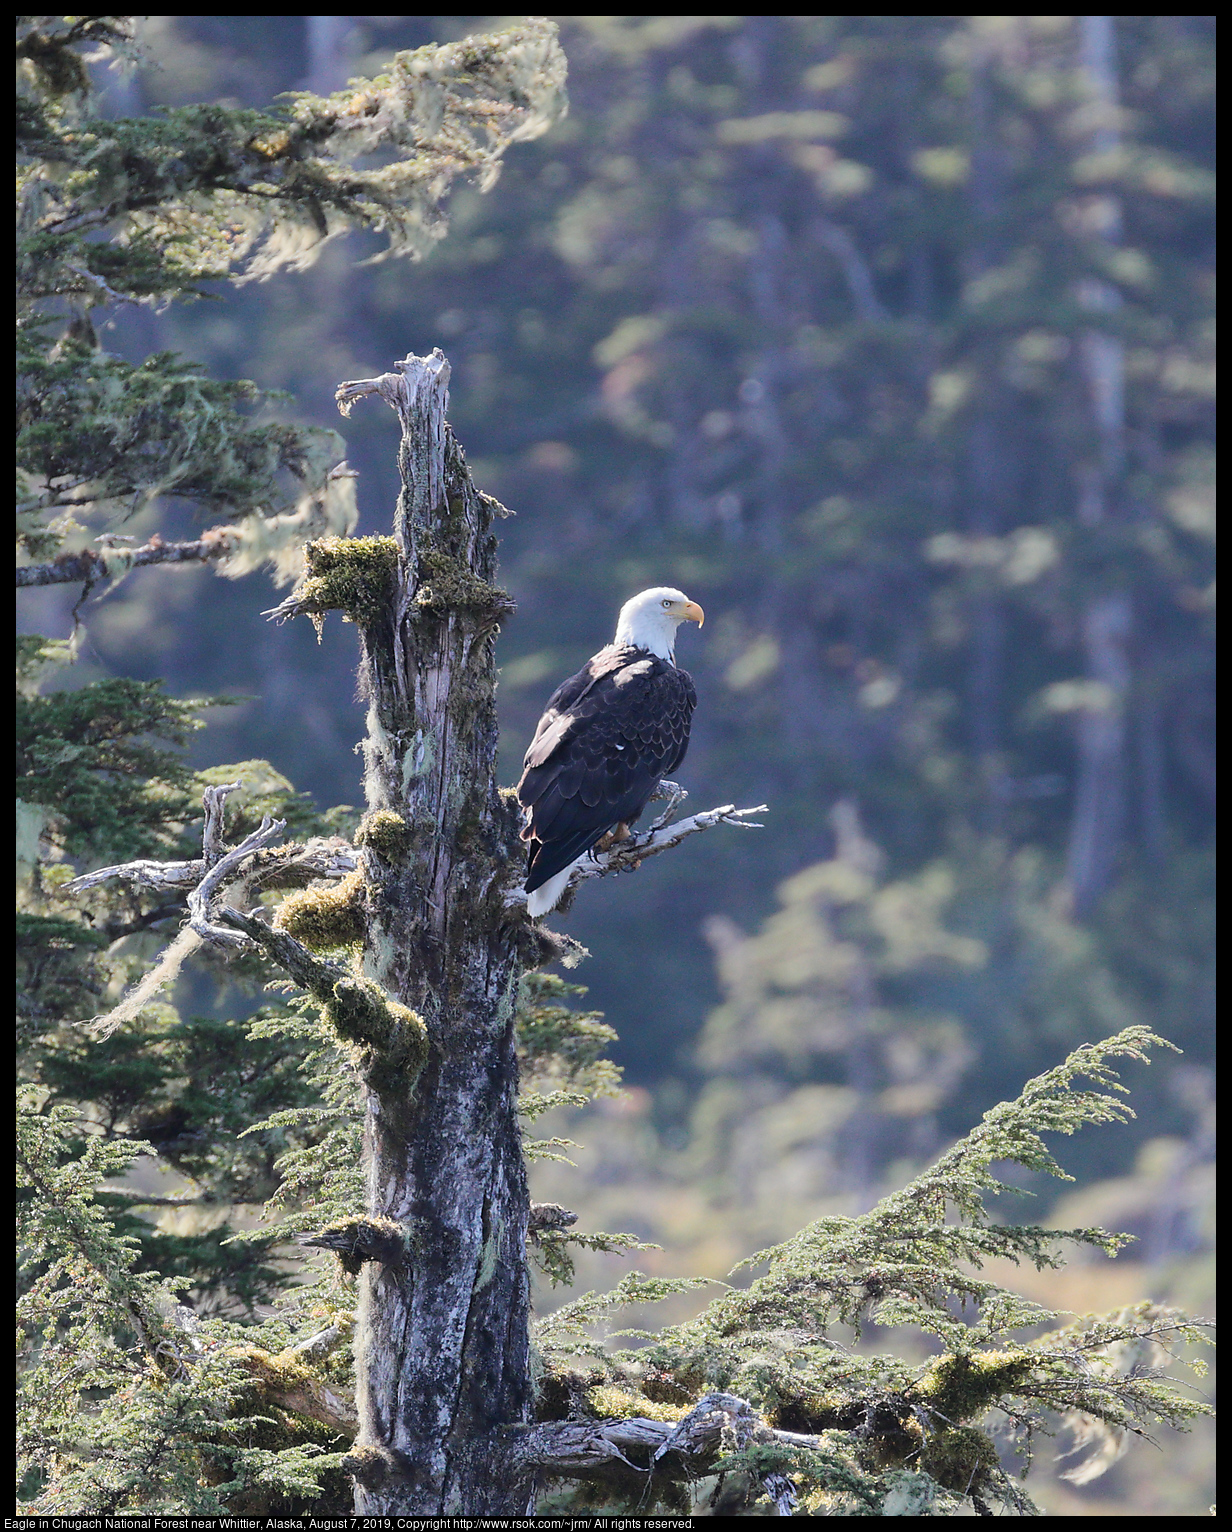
(667, 603)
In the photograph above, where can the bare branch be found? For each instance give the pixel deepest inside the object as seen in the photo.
(293, 605)
(318, 975)
(161, 877)
(225, 871)
(317, 1347)
(292, 866)
(628, 855)
(89, 567)
(227, 868)
(675, 795)
(214, 802)
(356, 1240)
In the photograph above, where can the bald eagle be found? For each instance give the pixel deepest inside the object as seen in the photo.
(608, 736)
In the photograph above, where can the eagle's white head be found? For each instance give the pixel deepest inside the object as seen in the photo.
(649, 620)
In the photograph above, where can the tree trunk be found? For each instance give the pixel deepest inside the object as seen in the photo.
(442, 1341)
(988, 448)
(1097, 828)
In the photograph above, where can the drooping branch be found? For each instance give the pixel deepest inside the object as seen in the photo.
(89, 567)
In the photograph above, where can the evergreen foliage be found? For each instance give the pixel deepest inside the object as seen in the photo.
(152, 207)
(124, 1398)
(98, 757)
(894, 1437)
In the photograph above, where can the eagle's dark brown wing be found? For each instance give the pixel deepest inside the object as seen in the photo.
(608, 736)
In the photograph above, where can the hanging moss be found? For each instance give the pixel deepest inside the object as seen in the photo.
(325, 915)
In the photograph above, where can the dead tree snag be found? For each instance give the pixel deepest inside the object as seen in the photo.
(442, 1334)
(428, 898)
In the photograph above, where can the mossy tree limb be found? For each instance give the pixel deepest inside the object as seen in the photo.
(88, 567)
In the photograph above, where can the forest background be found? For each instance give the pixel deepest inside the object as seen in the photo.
(890, 342)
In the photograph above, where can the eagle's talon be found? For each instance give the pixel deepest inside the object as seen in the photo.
(613, 837)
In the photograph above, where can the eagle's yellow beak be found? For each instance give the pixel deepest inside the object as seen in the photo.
(694, 613)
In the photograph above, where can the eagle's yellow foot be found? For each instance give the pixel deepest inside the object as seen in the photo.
(613, 837)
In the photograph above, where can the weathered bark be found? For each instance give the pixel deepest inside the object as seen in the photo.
(442, 1336)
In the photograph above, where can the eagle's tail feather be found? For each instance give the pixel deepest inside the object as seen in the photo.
(544, 898)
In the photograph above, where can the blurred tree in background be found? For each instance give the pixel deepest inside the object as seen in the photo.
(890, 339)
